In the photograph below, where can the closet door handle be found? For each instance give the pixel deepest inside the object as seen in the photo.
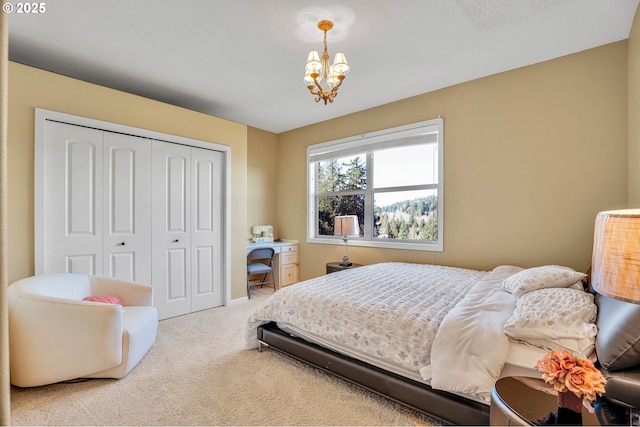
(175, 241)
(121, 244)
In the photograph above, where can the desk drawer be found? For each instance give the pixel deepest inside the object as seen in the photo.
(288, 258)
(286, 249)
(289, 275)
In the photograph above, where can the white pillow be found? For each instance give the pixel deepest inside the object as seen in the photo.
(553, 313)
(579, 347)
(547, 276)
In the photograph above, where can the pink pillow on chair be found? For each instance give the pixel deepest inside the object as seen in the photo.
(103, 298)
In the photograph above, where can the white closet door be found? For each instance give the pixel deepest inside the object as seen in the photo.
(171, 210)
(127, 198)
(132, 208)
(206, 229)
(72, 199)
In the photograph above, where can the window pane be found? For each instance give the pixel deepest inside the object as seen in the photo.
(406, 215)
(343, 174)
(331, 206)
(412, 165)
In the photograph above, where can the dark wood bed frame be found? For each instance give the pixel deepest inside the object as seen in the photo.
(444, 407)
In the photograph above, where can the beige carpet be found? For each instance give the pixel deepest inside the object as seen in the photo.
(198, 374)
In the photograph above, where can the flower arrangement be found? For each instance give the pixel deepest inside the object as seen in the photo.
(569, 373)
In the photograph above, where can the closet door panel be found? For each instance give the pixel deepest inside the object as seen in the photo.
(72, 199)
(206, 231)
(122, 265)
(203, 271)
(177, 267)
(80, 263)
(171, 251)
(127, 198)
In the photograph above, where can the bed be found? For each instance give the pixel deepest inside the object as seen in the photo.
(433, 338)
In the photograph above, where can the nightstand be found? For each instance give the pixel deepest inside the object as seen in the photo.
(515, 403)
(332, 267)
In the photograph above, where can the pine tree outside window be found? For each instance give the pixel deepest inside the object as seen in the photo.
(392, 180)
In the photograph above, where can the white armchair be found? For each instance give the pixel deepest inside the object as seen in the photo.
(55, 336)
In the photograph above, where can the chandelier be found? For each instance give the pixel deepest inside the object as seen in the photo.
(322, 79)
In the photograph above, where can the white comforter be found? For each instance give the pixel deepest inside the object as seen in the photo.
(470, 348)
(393, 312)
(390, 311)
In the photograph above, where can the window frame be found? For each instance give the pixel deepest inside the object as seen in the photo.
(367, 144)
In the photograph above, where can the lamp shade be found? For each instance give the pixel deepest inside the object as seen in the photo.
(333, 79)
(346, 225)
(313, 62)
(615, 266)
(340, 64)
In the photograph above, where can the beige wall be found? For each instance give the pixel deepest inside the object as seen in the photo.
(262, 165)
(634, 113)
(30, 88)
(531, 155)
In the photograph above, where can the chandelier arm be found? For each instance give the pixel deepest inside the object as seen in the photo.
(334, 91)
(316, 91)
(321, 91)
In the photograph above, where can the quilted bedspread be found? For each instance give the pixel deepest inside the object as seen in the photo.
(390, 311)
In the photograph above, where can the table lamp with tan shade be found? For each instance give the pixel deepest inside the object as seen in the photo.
(345, 226)
(615, 273)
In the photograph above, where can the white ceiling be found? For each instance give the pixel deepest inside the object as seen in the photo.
(243, 60)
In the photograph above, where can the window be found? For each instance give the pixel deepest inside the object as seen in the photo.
(391, 180)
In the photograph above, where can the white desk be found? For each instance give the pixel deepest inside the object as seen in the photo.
(285, 260)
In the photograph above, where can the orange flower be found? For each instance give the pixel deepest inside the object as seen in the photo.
(568, 373)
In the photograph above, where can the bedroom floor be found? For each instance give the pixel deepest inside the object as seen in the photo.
(189, 378)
